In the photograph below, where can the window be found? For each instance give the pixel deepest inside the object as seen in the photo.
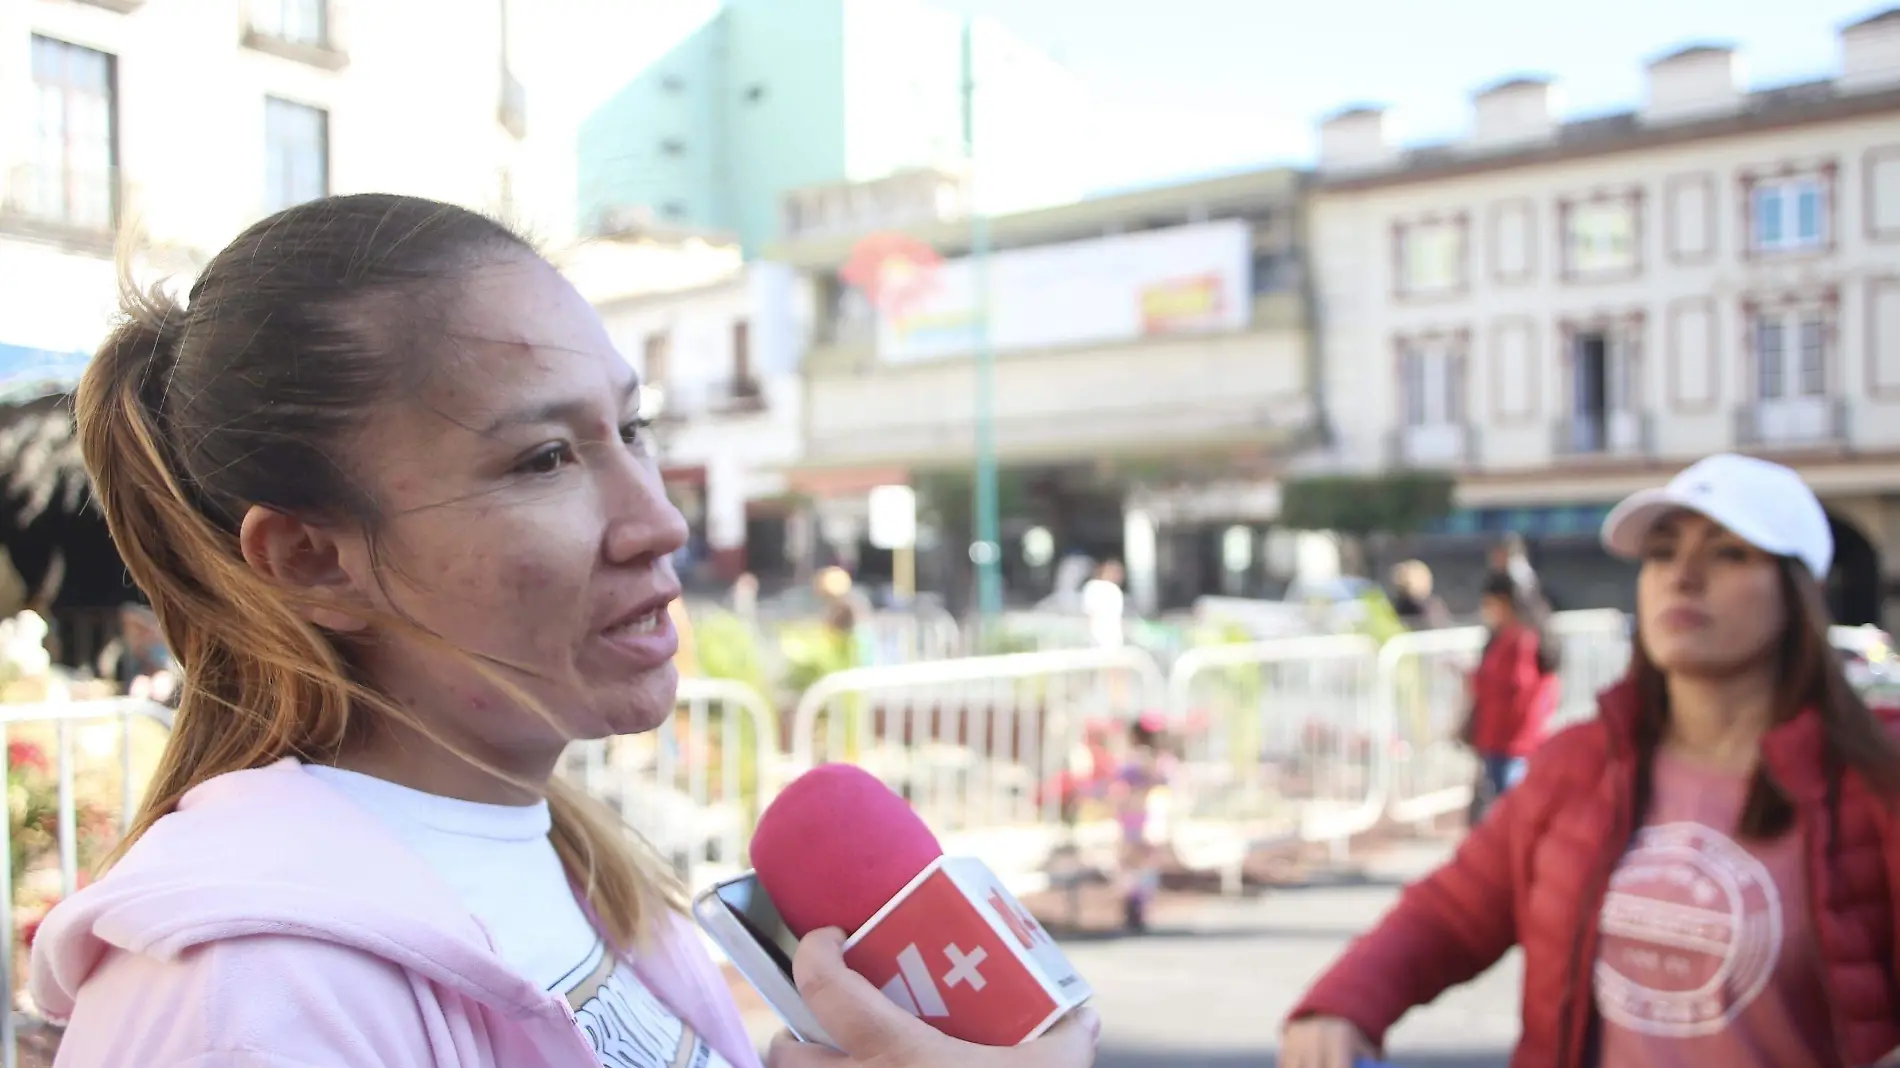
(1272, 271)
(1602, 393)
(1787, 215)
(1434, 385)
(1790, 355)
(304, 22)
(71, 178)
(653, 359)
(1600, 237)
(1433, 431)
(741, 352)
(296, 153)
(1431, 257)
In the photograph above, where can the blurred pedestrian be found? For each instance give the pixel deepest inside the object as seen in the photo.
(1704, 873)
(137, 660)
(1412, 597)
(1514, 690)
(1144, 769)
(1105, 605)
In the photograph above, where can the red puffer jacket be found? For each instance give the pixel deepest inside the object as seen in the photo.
(1535, 873)
(1512, 699)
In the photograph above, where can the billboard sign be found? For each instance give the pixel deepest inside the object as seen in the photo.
(1183, 280)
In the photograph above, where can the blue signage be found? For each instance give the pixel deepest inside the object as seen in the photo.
(1574, 520)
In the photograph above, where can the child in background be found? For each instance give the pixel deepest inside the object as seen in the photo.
(1144, 769)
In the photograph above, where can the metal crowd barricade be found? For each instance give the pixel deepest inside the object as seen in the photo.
(910, 637)
(978, 745)
(1596, 653)
(693, 787)
(1424, 698)
(1281, 739)
(60, 733)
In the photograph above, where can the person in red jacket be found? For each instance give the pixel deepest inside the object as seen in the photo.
(1708, 873)
(1514, 691)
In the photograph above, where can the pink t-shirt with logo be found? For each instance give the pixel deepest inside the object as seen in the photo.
(1708, 955)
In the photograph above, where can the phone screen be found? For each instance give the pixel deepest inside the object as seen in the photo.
(755, 911)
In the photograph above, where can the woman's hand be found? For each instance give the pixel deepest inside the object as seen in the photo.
(877, 1034)
(1323, 1042)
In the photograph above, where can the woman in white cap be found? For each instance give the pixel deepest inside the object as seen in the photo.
(1707, 873)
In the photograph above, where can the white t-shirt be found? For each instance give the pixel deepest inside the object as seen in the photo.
(499, 859)
(1102, 604)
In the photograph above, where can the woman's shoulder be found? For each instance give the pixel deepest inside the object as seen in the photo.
(1577, 753)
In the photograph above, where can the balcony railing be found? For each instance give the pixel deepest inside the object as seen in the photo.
(1794, 422)
(734, 396)
(300, 42)
(1617, 434)
(1438, 446)
(76, 207)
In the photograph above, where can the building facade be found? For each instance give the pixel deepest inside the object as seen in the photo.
(773, 95)
(715, 341)
(1151, 372)
(1561, 312)
(187, 120)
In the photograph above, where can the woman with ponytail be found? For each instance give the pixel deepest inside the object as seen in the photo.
(384, 484)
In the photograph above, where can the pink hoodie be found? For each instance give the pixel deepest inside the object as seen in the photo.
(272, 923)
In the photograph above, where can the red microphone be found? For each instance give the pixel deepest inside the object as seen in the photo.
(940, 936)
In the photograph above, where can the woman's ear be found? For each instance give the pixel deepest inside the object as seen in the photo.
(305, 560)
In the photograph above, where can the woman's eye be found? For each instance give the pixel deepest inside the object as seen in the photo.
(547, 460)
(1659, 552)
(633, 431)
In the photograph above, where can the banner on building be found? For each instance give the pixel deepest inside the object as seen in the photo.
(1183, 280)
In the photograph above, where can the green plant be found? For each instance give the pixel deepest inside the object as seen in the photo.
(1380, 621)
(728, 648)
(813, 650)
(1398, 503)
(33, 812)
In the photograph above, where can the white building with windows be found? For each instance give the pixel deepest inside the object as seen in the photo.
(184, 121)
(1563, 311)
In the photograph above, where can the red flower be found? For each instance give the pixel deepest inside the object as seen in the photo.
(27, 755)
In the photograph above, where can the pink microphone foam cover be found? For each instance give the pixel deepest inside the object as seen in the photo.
(835, 846)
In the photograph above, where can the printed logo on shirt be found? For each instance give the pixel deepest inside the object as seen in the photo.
(626, 1025)
(1691, 933)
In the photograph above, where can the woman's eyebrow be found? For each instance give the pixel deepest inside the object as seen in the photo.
(566, 410)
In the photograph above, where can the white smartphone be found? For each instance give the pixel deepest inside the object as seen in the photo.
(741, 919)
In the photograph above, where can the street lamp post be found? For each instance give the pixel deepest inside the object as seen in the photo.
(985, 549)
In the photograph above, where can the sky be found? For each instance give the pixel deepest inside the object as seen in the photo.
(1191, 87)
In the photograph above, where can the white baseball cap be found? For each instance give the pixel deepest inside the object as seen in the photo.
(1762, 503)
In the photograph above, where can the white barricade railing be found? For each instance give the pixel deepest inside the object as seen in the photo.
(1596, 653)
(694, 787)
(977, 745)
(91, 750)
(1280, 739)
(1424, 697)
(912, 637)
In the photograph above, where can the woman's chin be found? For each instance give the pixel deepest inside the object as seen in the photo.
(640, 706)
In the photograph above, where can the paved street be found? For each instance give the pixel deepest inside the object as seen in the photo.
(1208, 990)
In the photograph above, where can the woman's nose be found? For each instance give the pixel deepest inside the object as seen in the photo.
(644, 523)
